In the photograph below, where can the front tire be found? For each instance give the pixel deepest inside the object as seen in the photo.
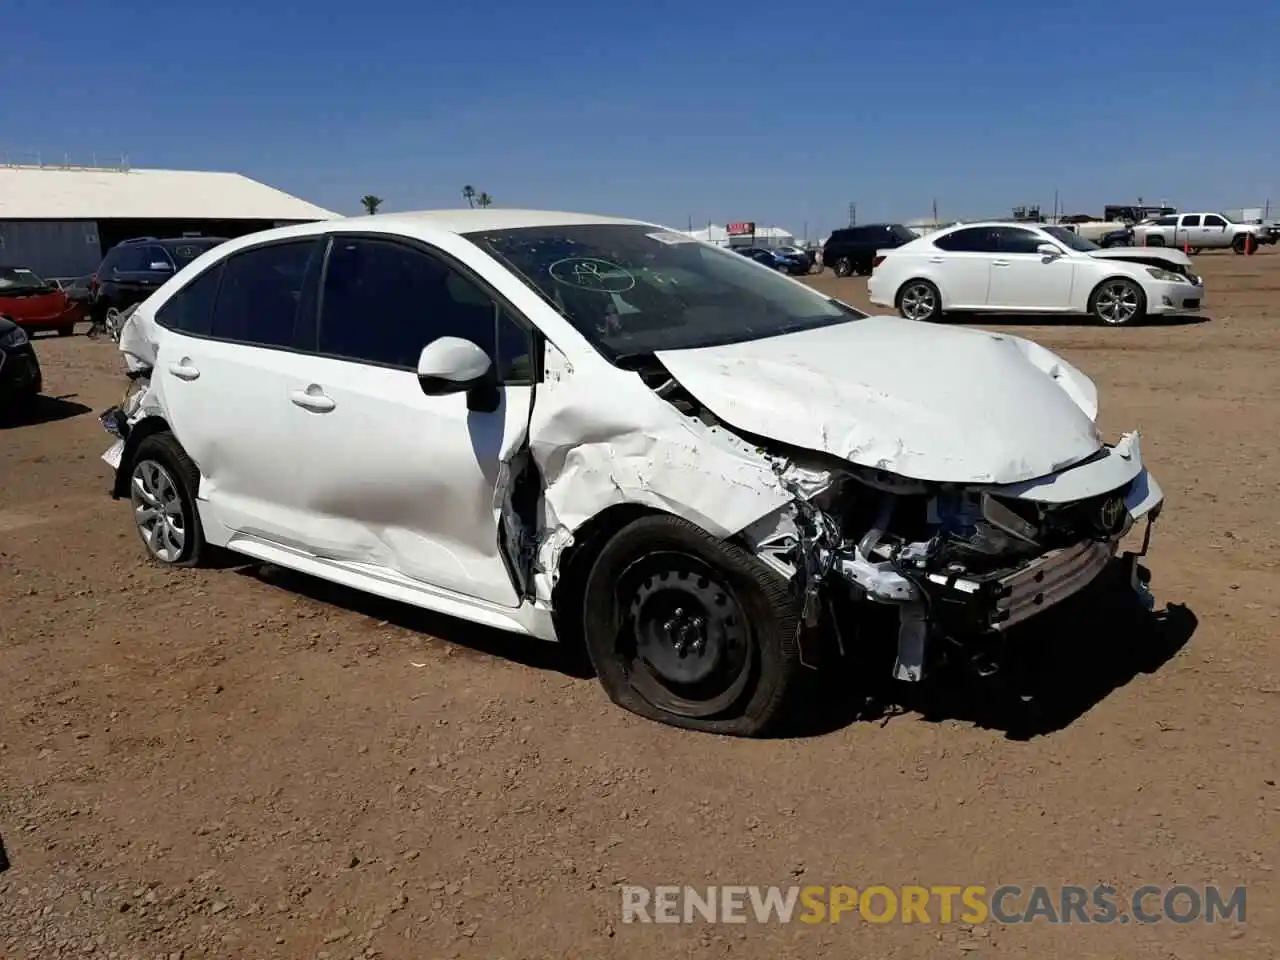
(162, 492)
(1118, 302)
(692, 631)
(919, 300)
(842, 267)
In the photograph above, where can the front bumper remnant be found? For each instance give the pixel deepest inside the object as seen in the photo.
(1000, 602)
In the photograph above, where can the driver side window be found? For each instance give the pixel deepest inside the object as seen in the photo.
(383, 301)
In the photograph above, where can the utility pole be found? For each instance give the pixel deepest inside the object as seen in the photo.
(1055, 206)
(853, 214)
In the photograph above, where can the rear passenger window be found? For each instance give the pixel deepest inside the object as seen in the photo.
(260, 294)
(190, 310)
(1192, 220)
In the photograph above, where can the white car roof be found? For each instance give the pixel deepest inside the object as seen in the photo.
(431, 224)
(496, 218)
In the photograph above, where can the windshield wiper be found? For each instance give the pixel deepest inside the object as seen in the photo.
(633, 360)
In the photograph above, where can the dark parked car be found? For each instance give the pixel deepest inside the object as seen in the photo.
(1117, 238)
(133, 269)
(786, 263)
(851, 250)
(20, 379)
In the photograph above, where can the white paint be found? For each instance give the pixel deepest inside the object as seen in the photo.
(453, 359)
(926, 402)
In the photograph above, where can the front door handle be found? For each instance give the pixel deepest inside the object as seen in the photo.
(313, 399)
(999, 263)
(183, 370)
(937, 259)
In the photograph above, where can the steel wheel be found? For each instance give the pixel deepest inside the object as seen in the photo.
(157, 511)
(686, 639)
(1117, 302)
(918, 301)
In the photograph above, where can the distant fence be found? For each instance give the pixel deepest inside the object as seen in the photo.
(64, 161)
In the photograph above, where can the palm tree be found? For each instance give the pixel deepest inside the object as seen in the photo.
(469, 195)
(370, 203)
(484, 200)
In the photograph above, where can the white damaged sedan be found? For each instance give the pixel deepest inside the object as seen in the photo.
(603, 432)
(1029, 268)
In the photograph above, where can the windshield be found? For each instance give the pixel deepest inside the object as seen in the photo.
(1071, 239)
(634, 289)
(19, 278)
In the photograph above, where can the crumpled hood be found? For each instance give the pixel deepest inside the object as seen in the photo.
(1143, 255)
(947, 404)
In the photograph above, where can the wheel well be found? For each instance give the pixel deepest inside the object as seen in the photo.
(575, 566)
(146, 427)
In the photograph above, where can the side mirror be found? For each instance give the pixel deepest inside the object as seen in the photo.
(453, 365)
(1048, 250)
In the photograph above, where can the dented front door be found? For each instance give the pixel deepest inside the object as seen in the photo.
(400, 480)
(392, 478)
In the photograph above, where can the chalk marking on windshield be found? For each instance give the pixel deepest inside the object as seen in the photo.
(590, 273)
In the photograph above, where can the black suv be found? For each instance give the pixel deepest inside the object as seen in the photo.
(132, 269)
(852, 249)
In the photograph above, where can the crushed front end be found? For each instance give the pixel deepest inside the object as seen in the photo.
(962, 563)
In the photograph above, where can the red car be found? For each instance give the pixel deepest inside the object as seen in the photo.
(36, 304)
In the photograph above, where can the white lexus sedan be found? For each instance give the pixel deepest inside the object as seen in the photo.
(604, 432)
(1026, 268)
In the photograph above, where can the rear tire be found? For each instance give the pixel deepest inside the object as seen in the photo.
(842, 267)
(919, 300)
(1118, 302)
(691, 631)
(162, 492)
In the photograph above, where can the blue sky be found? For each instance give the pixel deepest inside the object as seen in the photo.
(769, 111)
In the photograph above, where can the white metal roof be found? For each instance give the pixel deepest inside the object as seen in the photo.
(52, 193)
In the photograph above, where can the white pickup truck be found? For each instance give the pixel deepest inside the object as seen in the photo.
(1200, 231)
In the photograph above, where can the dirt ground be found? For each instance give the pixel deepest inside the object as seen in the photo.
(243, 763)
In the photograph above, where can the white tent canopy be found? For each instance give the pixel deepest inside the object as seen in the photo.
(764, 237)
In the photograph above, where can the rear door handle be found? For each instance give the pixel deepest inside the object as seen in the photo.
(184, 370)
(313, 399)
(937, 259)
(999, 263)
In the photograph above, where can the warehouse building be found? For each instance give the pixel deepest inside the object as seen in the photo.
(59, 221)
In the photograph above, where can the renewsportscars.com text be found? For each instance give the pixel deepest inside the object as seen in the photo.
(1007, 904)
